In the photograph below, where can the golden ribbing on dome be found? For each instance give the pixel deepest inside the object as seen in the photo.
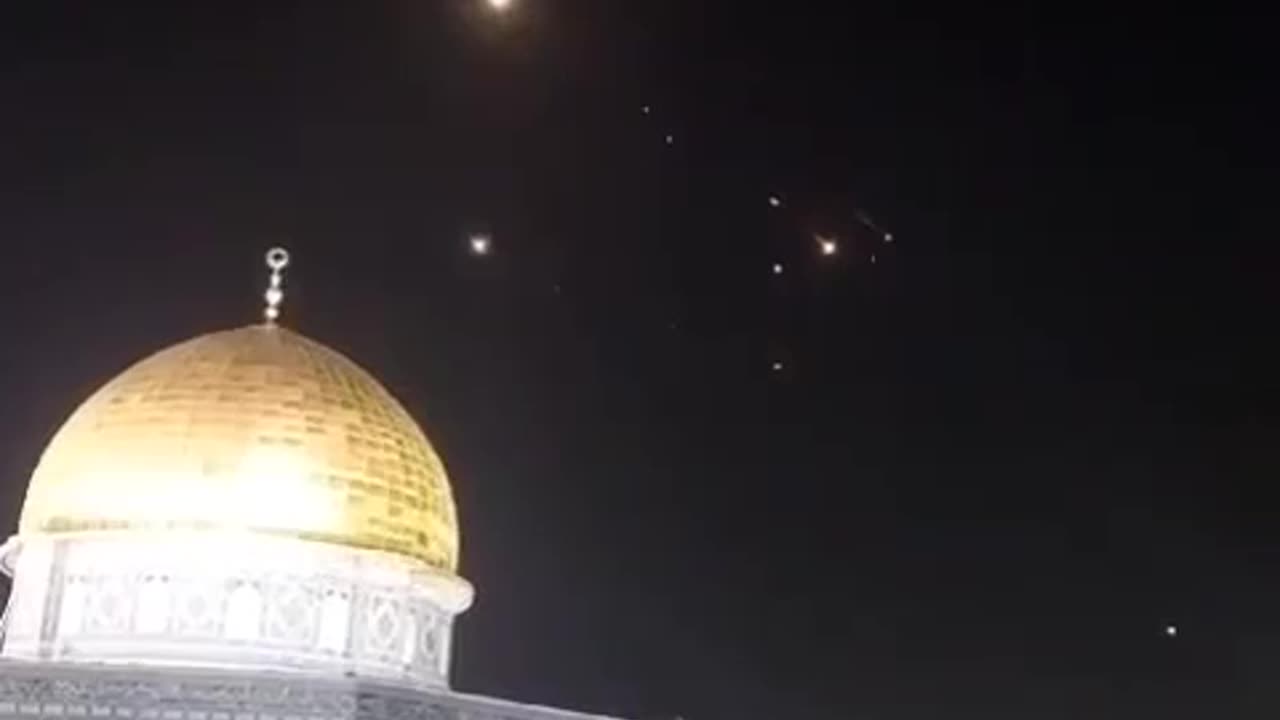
(257, 429)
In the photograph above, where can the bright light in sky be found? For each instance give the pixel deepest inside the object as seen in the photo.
(827, 245)
(500, 5)
(775, 201)
(777, 268)
(1171, 630)
(481, 245)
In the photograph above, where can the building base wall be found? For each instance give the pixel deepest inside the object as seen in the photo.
(39, 691)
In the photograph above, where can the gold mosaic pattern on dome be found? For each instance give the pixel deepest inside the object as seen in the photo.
(255, 429)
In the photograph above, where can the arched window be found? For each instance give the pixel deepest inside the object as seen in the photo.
(154, 605)
(335, 618)
(244, 613)
(410, 644)
(71, 614)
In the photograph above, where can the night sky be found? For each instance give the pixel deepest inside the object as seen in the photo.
(994, 465)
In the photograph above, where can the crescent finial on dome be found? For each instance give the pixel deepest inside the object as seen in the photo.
(277, 261)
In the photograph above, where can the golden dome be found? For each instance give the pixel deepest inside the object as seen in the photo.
(257, 429)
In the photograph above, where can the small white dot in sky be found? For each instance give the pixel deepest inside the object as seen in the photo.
(481, 245)
(888, 237)
(777, 367)
(1171, 631)
(777, 268)
(775, 201)
(646, 109)
(671, 139)
(828, 246)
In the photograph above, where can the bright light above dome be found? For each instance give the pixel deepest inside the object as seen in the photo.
(481, 245)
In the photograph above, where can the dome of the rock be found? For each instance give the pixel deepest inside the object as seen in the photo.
(257, 429)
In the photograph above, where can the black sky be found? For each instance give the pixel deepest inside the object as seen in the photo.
(1043, 426)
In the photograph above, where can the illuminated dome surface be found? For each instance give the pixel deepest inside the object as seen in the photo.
(257, 429)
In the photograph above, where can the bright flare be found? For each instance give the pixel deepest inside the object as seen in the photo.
(500, 5)
(828, 246)
(481, 245)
